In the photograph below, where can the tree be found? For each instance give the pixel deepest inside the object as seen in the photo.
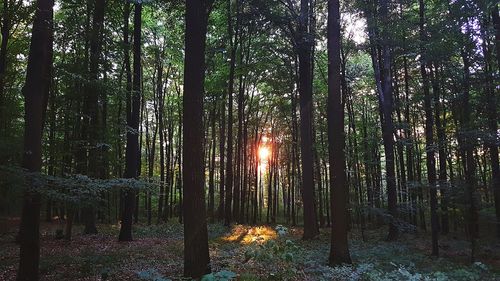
(36, 91)
(380, 51)
(5, 33)
(304, 48)
(493, 124)
(429, 132)
(339, 248)
(230, 90)
(196, 256)
(132, 153)
(92, 127)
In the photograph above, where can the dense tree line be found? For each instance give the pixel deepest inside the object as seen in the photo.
(349, 115)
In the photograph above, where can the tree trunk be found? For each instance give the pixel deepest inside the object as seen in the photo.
(493, 126)
(466, 146)
(386, 98)
(92, 126)
(409, 148)
(442, 141)
(196, 256)
(229, 164)
(132, 154)
(304, 48)
(5, 33)
(339, 247)
(222, 148)
(36, 90)
(211, 176)
(429, 132)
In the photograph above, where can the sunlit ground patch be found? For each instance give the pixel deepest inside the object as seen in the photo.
(246, 235)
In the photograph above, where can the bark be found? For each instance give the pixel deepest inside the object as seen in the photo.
(239, 148)
(295, 157)
(92, 128)
(5, 33)
(493, 125)
(211, 177)
(429, 132)
(36, 89)
(442, 140)
(466, 146)
(304, 49)
(222, 167)
(339, 248)
(196, 256)
(229, 164)
(409, 149)
(161, 129)
(387, 126)
(132, 154)
(382, 70)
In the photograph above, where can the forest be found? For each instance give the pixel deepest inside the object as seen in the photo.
(249, 140)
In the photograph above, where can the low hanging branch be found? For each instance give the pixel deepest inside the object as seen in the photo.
(76, 190)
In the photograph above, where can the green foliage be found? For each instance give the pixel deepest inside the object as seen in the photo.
(76, 190)
(151, 275)
(272, 250)
(281, 230)
(223, 275)
(370, 271)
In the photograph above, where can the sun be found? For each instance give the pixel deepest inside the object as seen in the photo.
(264, 153)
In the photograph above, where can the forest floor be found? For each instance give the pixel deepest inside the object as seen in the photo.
(249, 253)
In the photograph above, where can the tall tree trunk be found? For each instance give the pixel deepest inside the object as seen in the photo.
(196, 256)
(429, 131)
(229, 164)
(383, 79)
(467, 149)
(442, 140)
(92, 126)
(493, 125)
(239, 140)
(295, 156)
(161, 130)
(222, 147)
(36, 90)
(388, 127)
(409, 148)
(5, 33)
(132, 154)
(211, 177)
(339, 247)
(304, 48)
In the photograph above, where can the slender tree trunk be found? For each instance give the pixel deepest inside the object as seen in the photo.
(295, 156)
(493, 125)
(222, 167)
(466, 145)
(132, 153)
(36, 90)
(92, 126)
(239, 143)
(211, 176)
(429, 132)
(161, 129)
(409, 148)
(5, 33)
(229, 164)
(442, 141)
(388, 127)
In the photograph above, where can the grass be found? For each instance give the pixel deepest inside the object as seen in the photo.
(254, 253)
